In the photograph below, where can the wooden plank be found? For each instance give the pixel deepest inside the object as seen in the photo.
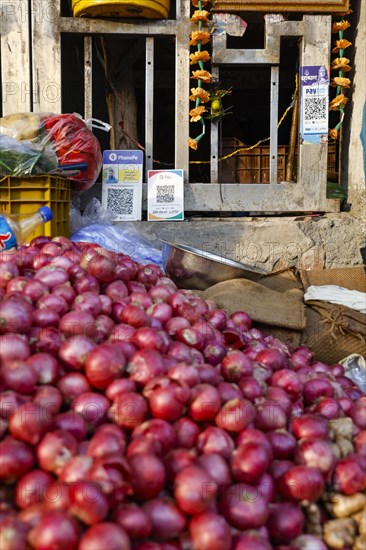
(15, 57)
(46, 56)
(81, 25)
(277, 6)
(88, 77)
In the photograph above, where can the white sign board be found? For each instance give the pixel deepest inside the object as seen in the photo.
(165, 195)
(122, 184)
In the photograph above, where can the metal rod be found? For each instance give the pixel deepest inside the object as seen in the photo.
(88, 77)
(215, 134)
(293, 141)
(149, 105)
(275, 76)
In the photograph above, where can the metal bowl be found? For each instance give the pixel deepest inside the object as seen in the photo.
(191, 268)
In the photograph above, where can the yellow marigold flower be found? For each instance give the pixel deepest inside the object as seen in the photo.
(200, 15)
(203, 3)
(199, 93)
(199, 56)
(341, 45)
(339, 101)
(202, 75)
(341, 64)
(340, 81)
(333, 134)
(196, 114)
(192, 143)
(340, 26)
(197, 36)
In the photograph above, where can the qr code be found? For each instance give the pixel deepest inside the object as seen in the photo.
(316, 108)
(120, 201)
(165, 193)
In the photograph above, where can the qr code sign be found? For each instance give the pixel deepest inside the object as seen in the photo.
(165, 193)
(316, 108)
(120, 201)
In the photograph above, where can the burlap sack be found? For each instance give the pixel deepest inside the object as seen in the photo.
(281, 314)
(353, 278)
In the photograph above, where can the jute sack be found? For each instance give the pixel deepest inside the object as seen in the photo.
(281, 314)
(332, 332)
(353, 278)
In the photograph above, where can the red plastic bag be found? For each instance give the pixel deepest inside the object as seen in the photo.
(75, 145)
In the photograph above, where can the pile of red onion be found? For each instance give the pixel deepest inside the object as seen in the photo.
(134, 415)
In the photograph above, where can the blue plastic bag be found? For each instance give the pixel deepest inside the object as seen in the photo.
(122, 239)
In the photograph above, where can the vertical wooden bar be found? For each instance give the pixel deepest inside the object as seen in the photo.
(15, 57)
(313, 158)
(215, 140)
(273, 148)
(46, 56)
(88, 77)
(149, 104)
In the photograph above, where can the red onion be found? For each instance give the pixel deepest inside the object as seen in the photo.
(308, 542)
(45, 367)
(204, 403)
(50, 399)
(349, 477)
(128, 410)
(18, 376)
(88, 502)
(101, 268)
(159, 430)
(177, 459)
(252, 540)
(315, 453)
(15, 315)
(210, 531)
(32, 488)
(55, 530)
(360, 443)
(217, 468)
(215, 440)
(145, 365)
(228, 391)
(241, 319)
(147, 475)
(168, 522)
(8, 271)
(272, 358)
(104, 364)
(285, 523)
(53, 302)
(249, 462)
(328, 407)
(72, 385)
(185, 373)
(16, 459)
(358, 413)
(301, 483)
(187, 432)
(92, 407)
(283, 444)
(318, 387)
(289, 381)
(134, 520)
(243, 508)
(78, 323)
(65, 291)
(108, 536)
(13, 346)
(30, 422)
(236, 365)
(194, 490)
(85, 283)
(250, 388)
(77, 469)
(13, 533)
(310, 426)
(55, 450)
(270, 416)
(73, 423)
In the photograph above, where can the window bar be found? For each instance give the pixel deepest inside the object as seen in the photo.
(215, 139)
(149, 104)
(275, 77)
(88, 77)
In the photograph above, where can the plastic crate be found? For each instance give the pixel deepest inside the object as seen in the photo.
(23, 196)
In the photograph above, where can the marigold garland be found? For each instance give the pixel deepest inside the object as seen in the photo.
(340, 64)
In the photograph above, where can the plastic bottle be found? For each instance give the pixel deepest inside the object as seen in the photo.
(14, 233)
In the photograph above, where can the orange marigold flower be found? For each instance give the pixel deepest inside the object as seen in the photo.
(196, 114)
(192, 143)
(339, 101)
(197, 36)
(340, 81)
(200, 15)
(199, 56)
(341, 45)
(199, 93)
(340, 26)
(341, 64)
(203, 3)
(202, 75)
(333, 134)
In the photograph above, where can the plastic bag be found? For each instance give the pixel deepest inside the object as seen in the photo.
(79, 156)
(93, 213)
(24, 158)
(122, 239)
(355, 367)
